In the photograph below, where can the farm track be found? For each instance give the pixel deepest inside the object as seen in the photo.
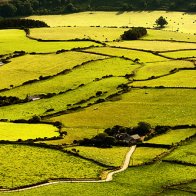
(108, 178)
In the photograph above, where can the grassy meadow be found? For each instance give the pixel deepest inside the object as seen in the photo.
(21, 42)
(177, 21)
(108, 156)
(145, 154)
(185, 153)
(185, 79)
(97, 86)
(154, 45)
(25, 165)
(156, 106)
(33, 66)
(13, 131)
(172, 136)
(143, 180)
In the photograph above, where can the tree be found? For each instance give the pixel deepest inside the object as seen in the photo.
(161, 22)
(142, 128)
(134, 33)
(8, 10)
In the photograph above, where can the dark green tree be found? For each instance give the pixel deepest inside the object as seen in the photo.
(161, 22)
(8, 10)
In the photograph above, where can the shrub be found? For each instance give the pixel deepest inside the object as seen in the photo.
(134, 33)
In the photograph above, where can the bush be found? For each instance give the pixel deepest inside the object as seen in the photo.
(134, 33)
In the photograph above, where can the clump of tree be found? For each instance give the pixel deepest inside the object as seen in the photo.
(134, 33)
(5, 101)
(13, 8)
(21, 23)
(161, 22)
(118, 136)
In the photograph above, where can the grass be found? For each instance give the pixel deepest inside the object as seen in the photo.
(132, 54)
(180, 79)
(78, 133)
(69, 33)
(155, 106)
(172, 136)
(154, 45)
(13, 132)
(178, 21)
(185, 153)
(169, 35)
(82, 75)
(181, 54)
(22, 43)
(34, 66)
(25, 165)
(60, 102)
(145, 154)
(160, 68)
(108, 156)
(171, 192)
(145, 180)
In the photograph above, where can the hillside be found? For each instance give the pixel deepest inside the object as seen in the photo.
(40, 7)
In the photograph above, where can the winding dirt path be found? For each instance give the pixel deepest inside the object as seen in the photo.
(108, 178)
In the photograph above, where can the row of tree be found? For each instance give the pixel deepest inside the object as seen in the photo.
(21, 23)
(29, 7)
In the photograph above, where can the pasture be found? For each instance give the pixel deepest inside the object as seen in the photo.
(105, 34)
(143, 180)
(61, 102)
(185, 153)
(25, 165)
(142, 56)
(93, 88)
(181, 54)
(144, 155)
(33, 66)
(15, 131)
(172, 136)
(185, 79)
(160, 68)
(108, 156)
(154, 45)
(21, 42)
(76, 133)
(177, 21)
(70, 33)
(156, 106)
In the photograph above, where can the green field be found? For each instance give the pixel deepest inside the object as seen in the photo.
(22, 43)
(181, 54)
(185, 153)
(103, 34)
(156, 106)
(153, 45)
(69, 33)
(76, 133)
(145, 154)
(13, 132)
(172, 136)
(180, 79)
(34, 66)
(169, 35)
(108, 156)
(96, 87)
(132, 54)
(145, 180)
(82, 75)
(25, 165)
(178, 21)
(160, 68)
(60, 102)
